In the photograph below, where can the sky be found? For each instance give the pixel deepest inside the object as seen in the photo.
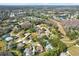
(39, 2)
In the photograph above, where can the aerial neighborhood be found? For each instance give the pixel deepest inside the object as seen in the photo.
(39, 31)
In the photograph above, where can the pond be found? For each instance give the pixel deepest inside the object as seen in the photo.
(48, 45)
